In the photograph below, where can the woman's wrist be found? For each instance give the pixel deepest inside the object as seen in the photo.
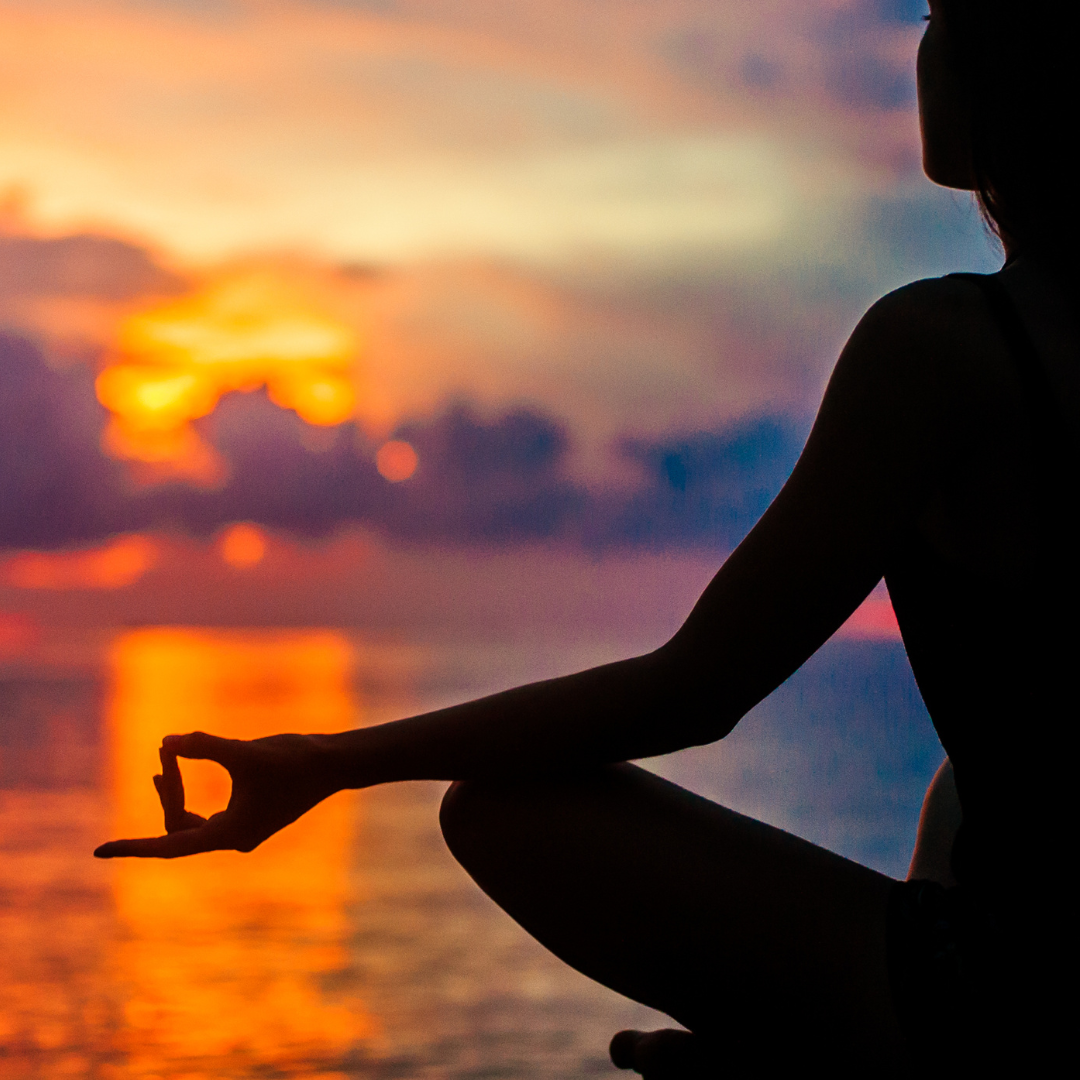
(329, 764)
(336, 761)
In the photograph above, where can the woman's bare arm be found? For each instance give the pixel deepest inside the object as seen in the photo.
(813, 557)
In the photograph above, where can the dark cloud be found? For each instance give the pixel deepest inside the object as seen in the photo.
(487, 480)
(859, 69)
(858, 73)
(283, 473)
(759, 72)
(862, 80)
(708, 488)
(55, 486)
(480, 480)
(902, 11)
(700, 54)
(97, 266)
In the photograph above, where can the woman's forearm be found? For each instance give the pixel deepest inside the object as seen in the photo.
(630, 709)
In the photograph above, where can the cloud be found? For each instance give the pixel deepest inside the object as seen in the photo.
(658, 409)
(497, 480)
(421, 129)
(503, 479)
(68, 292)
(708, 488)
(488, 481)
(862, 70)
(478, 481)
(902, 11)
(866, 80)
(85, 265)
(55, 486)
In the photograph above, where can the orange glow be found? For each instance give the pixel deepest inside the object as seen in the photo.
(113, 566)
(243, 545)
(19, 634)
(396, 461)
(226, 959)
(174, 362)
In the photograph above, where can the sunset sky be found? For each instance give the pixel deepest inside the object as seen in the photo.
(385, 131)
(359, 357)
(436, 281)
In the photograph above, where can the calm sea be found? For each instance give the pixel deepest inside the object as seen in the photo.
(350, 945)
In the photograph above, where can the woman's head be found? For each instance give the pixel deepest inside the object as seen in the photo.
(998, 102)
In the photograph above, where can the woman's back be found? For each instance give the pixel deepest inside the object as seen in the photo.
(983, 580)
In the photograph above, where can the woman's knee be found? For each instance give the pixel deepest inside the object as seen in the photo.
(483, 817)
(471, 814)
(458, 813)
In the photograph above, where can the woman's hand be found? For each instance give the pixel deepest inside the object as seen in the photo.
(274, 781)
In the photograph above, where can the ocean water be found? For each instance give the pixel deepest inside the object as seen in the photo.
(351, 944)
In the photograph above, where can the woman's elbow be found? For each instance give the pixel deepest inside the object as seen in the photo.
(690, 696)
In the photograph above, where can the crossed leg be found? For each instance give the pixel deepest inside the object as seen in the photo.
(769, 948)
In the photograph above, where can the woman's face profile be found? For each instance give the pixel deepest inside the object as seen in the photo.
(943, 115)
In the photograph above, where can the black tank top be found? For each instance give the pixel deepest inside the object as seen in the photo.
(994, 651)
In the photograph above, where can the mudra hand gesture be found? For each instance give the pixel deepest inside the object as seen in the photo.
(274, 781)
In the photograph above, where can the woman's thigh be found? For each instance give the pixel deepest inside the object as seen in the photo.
(732, 927)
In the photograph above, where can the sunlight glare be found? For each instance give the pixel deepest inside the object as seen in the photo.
(228, 961)
(174, 362)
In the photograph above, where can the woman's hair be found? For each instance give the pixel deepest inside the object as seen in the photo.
(1018, 64)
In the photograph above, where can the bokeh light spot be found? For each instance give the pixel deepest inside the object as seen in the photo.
(396, 461)
(243, 545)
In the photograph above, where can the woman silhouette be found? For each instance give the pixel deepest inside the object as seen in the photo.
(942, 459)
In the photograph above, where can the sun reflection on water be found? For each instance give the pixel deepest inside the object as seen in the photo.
(231, 959)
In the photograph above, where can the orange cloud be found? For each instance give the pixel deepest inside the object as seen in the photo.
(243, 330)
(113, 566)
(19, 634)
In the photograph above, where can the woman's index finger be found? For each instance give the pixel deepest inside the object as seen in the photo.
(198, 745)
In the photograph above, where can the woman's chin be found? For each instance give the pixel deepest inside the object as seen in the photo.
(948, 174)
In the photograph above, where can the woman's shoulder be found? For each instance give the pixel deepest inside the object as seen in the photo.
(925, 342)
(947, 328)
(933, 312)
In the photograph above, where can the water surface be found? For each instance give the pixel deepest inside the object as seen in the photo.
(351, 944)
